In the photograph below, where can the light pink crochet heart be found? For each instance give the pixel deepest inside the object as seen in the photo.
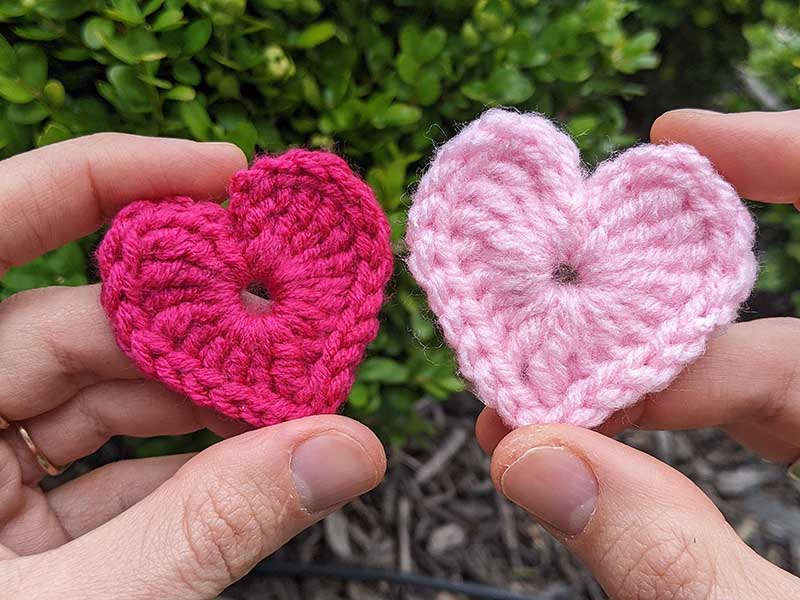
(568, 298)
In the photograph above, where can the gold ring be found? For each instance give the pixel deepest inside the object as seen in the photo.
(43, 461)
(794, 470)
(3, 423)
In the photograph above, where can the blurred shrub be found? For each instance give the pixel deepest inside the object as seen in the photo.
(775, 49)
(775, 60)
(380, 82)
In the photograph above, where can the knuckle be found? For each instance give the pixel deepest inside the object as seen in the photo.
(659, 561)
(84, 401)
(222, 525)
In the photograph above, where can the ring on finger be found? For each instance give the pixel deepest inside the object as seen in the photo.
(43, 461)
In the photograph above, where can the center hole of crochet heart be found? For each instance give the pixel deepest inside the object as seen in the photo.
(565, 274)
(256, 297)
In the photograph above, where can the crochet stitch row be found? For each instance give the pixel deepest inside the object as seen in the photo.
(301, 226)
(569, 297)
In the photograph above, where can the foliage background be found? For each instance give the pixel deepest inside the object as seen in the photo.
(382, 83)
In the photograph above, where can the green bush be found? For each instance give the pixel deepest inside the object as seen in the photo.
(379, 82)
(775, 59)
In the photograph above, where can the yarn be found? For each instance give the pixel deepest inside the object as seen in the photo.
(300, 227)
(568, 297)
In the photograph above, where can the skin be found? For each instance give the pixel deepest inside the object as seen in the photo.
(188, 526)
(171, 527)
(653, 533)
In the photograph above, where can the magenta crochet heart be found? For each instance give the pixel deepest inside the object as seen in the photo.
(569, 297)
(300, 226)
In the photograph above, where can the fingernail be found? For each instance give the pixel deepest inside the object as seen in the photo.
(227, 146)
(554, 485)
(697, 111)
(329, 469)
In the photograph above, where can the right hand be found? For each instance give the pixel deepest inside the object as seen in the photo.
(642, 528)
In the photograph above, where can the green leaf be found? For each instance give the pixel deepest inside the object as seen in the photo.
(315, 34)
(196, 119)
(410, 37)
(63, 266)
(39, 34)
(182, 93)
(196, 36)
(431, 44)
(168, 19)
(52, 134)
(60, 10)
(152, 6)
(96, 31)
(32, 66)
(121, 49)
(72, 53)
(27, 114)
(132, 92)
(407, 67)
(127, 11)
(186, 72)
(359, 396)
(244, 135)
(10, 9)
(428, 87)
(383, 370)
(572, 70)
(54, 93)
(155, 81)
(635, 54)
(397, 115)
(144, 45)
(508, 85)
(8, 58)
(14, 91)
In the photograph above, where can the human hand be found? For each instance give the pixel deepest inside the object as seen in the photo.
(178, 526)
(642, 528)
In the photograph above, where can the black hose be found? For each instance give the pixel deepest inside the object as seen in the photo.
(274, 568)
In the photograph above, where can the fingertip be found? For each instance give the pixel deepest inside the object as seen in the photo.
(671, 126)
(519, 441)
(489, 430)
(226, 153)
(757, 152)
(298, 430)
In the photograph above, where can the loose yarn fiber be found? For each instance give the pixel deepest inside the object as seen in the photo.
(302, 227)
(568, 297)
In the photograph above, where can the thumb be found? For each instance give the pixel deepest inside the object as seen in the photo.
(642, 528)
(221, 513)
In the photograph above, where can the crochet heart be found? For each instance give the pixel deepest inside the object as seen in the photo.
(567, 297)
(300, 227)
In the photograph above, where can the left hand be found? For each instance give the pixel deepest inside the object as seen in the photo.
(176, 526)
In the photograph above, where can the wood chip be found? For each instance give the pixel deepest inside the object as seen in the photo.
(337, 536)
(406, 564)
(442, 456)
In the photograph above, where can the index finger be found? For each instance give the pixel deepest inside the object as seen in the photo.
(61, 192)
(757, 152)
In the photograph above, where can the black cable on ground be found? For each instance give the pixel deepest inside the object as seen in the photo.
(274, 568)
